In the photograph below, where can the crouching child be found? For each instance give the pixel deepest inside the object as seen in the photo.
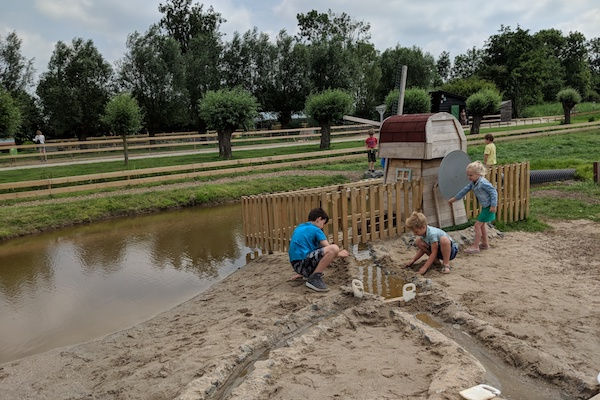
(310, 253)
(434, 242)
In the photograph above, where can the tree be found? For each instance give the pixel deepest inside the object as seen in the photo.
(443, 66)
(468, 64)
(290, 84)
(10, 116)
(225, 111)
(594, 58)
(416, 101)
(153, 71)
(75, 89)
(123, 116)
(327, 107)
(574, 59)
(486, 101)
(184, 21)
(422, 71)
(467, 86)
(568, 98)
(31, 114)
(16, 72)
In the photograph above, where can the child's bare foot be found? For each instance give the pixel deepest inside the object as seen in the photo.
(343, 253)
(446, 269)
(472, 250)
(295, 278)
(484, 246)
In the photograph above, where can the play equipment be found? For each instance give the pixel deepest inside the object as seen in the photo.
(414, 146)
(409, 292)
(480, 392)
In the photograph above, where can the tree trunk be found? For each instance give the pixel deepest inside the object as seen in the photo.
(476, 123)
(284, 118)
(567, 112)
(225, 144)
(125, 149)
(325, 136)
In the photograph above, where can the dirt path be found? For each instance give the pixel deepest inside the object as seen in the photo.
(532, 299)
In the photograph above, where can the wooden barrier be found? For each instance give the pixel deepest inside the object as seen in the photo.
(126, 177)
(358, 212)
(512, 183)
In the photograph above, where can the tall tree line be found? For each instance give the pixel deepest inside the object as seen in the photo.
(181, 57)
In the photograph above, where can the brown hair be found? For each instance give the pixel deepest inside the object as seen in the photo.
(371, 131)
(416, 220)
(489, 137)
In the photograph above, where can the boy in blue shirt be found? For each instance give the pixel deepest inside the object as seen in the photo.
(310, 252)
(432, 241)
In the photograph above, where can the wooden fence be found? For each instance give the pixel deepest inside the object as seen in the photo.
(368, 210)
(359, 212)
(512, 183)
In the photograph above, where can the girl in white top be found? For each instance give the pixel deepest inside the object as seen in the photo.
(41, 140)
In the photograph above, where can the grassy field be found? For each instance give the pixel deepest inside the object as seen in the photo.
(576, 150)
(542, 110)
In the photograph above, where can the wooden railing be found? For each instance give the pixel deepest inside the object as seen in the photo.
(512, 183)
(359, 212)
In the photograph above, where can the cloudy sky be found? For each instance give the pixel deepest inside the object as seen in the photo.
(433, 25)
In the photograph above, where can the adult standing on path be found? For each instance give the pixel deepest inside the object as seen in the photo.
(40, 139)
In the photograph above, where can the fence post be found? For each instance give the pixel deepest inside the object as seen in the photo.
(596, 172)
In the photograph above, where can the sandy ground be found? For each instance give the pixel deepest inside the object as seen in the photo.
(531, 301)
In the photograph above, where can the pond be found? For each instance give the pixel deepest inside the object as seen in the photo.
(76, 284)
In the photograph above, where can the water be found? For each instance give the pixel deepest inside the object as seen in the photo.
(76, 284)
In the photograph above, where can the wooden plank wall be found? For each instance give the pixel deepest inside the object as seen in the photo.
(358, 213)
(512, 183)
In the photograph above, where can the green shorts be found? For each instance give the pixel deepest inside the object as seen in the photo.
(486, 215)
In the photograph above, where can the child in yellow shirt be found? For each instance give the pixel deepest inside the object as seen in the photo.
(489, 154)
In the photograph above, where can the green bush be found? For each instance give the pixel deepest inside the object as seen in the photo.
(123, 117)
(485, 101)
(416, 101)
(568, 98)
(468, 86)
(326, 108)
(225, 111)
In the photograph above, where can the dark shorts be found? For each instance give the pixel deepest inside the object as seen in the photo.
(486, 215)
(307, 266)
(453, 251)
(372, 155)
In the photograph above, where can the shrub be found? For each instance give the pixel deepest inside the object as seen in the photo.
(485, 101)
(10, 116)
(568, 98)
(327, 107)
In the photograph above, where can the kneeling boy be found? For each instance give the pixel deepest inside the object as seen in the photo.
(310, 252)
(432, 241)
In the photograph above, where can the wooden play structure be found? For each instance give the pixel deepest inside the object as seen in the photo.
(414, 146)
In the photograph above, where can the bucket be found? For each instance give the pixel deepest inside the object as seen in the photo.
(409, 292)
(358, 288)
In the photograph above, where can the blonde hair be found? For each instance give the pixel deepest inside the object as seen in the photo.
(371, 131)
(416, 220)
(477, 167)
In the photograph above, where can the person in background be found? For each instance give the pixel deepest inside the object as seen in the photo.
(489, 154)
(40, 139)
(463, 117)
(371, 143)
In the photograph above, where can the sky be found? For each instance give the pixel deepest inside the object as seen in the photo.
(432, 25)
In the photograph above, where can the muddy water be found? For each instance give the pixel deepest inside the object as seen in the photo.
(77, 284)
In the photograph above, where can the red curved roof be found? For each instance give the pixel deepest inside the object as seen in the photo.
(404, 128)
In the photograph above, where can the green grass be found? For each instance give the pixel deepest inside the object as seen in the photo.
(542, 110)
(100, 167)
(15, 221)
(572, 150)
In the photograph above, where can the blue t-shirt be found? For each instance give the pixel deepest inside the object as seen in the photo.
(306, 238)
(434, 235)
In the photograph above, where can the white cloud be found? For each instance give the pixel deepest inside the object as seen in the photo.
(74, 10)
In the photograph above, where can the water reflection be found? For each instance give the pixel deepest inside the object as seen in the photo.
(75, 284)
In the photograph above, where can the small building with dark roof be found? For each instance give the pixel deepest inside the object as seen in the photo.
(451, 103)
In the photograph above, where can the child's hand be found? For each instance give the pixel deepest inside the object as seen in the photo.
(343, 253)
(493, 209)
(408, 265)
(452, 200)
